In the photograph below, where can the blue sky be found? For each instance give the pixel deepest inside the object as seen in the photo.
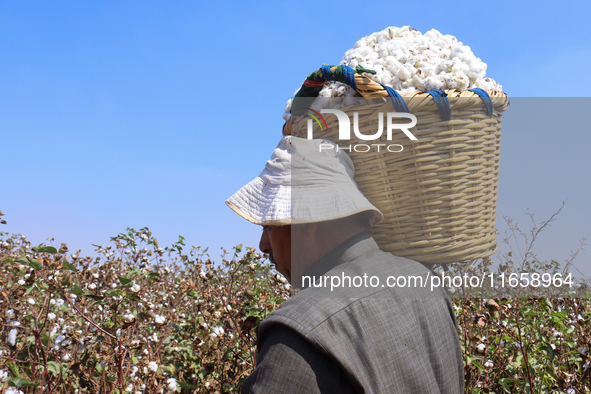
(152, 113)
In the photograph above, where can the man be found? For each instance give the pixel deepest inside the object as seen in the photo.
(363, 334)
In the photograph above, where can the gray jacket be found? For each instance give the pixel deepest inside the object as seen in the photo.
(378, 339)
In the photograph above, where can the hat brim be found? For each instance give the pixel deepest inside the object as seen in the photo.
(277, 205)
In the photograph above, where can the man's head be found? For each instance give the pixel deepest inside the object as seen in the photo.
(312, 241)
(306, 201)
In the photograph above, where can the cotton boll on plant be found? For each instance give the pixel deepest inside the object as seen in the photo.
(12, 337)
(152, 366)
(481, 347)
(171, 384)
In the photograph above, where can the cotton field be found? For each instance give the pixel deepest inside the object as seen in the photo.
(140, 318)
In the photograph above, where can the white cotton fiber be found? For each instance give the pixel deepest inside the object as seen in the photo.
(409, 62)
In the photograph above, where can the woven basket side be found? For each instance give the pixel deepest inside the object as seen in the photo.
(439, 193)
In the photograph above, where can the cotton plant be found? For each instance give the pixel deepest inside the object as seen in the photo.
(410, 62)
(121, 324)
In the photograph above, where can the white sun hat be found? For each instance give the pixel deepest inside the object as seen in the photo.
(305, 181)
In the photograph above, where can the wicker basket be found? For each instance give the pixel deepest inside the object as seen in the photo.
(439, 194)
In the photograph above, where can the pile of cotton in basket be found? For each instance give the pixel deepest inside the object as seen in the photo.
(409, 61)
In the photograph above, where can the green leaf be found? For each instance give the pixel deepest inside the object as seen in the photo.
(45, 249)
(169, 369)
(35, 264)
(134, 271)
(94, 296)
(134, 360)
(77, 290)
(69, 266)
(124, 281)
(193, 293)
(478, 365)
(13, 368)
(133, 296)
(518, 360)
(21, 382)
(154, 276)
(548, 303)
(505, 383)
(184, 385)
(54, 367)
(238, 248)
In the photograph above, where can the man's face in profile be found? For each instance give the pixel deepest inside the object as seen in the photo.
(276, 241)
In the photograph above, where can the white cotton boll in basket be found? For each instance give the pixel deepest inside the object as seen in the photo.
(410, 62)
